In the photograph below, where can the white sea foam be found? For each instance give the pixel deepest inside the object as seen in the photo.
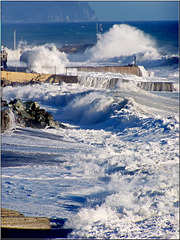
(42, 59)
(112, 187)
(45, 59)
(14, 57)
(124, 40)
(114, 173)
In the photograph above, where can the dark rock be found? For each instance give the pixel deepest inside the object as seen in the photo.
(5, 82)
(5, 119)
(35, 124)
(30, 115)
(30, 105)
(4, 103)
(17, 105)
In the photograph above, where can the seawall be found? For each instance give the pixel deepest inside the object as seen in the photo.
(16, 225)
(8, 77)
(21, 77)
(157, 86)
(13, 219)
(130, 69)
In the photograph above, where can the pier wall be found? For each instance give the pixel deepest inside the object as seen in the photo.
(131, 69)
(8, 77)
(157, 86)
(20, 77)
(13, 219)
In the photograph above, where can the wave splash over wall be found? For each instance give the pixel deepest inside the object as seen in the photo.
(123, 40)
(45, 59)
(42, 59)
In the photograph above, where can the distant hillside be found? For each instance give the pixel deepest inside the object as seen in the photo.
(39, 12)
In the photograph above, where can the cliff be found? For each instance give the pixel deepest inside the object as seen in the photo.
(39, 12)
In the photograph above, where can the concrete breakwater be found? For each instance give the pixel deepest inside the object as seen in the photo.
(10, 78)
(130, 69)
(73, 76)
(156, 86)
(13, 219)
(16, 225)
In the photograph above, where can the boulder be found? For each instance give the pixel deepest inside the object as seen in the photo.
(17, 105)
(29, 114)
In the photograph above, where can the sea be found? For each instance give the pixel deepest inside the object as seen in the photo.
(113, 172)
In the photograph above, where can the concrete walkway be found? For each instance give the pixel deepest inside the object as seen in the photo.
(13, 219)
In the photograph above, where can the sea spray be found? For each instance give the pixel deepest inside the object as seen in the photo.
(41, 59)
(14, 57)
(115, 178)
(97, 80)
(115, 175)
(45, 59)
(123, 40)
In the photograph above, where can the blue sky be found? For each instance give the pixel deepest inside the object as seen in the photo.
(135, 11)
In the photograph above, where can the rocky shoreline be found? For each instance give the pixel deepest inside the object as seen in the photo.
(26, 114)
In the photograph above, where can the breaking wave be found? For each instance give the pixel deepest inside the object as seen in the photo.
(95, 108)
(42, 59)
(116, 173)
(113, 173)
(45, 59)
(124, 40)
(116, 46)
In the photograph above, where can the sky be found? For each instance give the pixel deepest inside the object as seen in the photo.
(136, 10)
